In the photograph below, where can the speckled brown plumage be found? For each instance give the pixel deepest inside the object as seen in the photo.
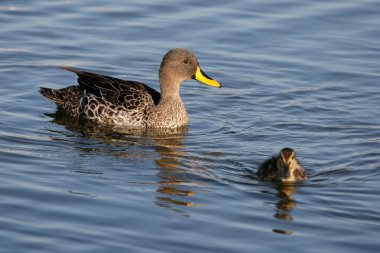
(106, 99)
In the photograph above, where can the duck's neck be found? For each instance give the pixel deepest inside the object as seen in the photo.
(170, 100)
(169, 89)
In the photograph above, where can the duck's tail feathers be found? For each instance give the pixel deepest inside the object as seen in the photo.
(52, 94)
(71, 94)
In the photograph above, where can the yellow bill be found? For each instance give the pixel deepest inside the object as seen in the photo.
(203, 78)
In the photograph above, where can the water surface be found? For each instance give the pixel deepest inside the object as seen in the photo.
(303, 74)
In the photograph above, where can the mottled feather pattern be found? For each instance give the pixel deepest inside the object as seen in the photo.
(106, 99)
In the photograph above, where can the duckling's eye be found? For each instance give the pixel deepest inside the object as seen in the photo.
(186, 61)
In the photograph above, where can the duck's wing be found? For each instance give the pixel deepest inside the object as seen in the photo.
(114, 90)
(267, 170)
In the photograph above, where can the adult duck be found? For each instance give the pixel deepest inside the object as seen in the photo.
(117, 102)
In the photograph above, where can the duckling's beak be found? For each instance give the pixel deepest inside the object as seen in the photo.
(286, 172)
(203, 78)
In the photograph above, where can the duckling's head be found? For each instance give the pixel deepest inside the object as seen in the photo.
(179, 65)
(286, 164)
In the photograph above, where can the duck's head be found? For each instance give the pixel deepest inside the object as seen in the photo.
(179, 65)
(286, 164)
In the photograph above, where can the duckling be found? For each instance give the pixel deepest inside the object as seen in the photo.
(284, 168)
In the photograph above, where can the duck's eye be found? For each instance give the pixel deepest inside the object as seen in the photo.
(186, 61)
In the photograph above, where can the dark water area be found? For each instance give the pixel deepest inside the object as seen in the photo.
(303, 74)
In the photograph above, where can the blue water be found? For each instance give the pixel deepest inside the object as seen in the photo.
(303, 74)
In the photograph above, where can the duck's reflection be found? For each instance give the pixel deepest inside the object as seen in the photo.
(174, 183)
(175, 187)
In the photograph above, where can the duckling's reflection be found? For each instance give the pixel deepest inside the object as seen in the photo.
(174, 183)
(285, 205)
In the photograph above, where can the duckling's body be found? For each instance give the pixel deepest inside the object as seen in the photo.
(119, 102)
(285, 168)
